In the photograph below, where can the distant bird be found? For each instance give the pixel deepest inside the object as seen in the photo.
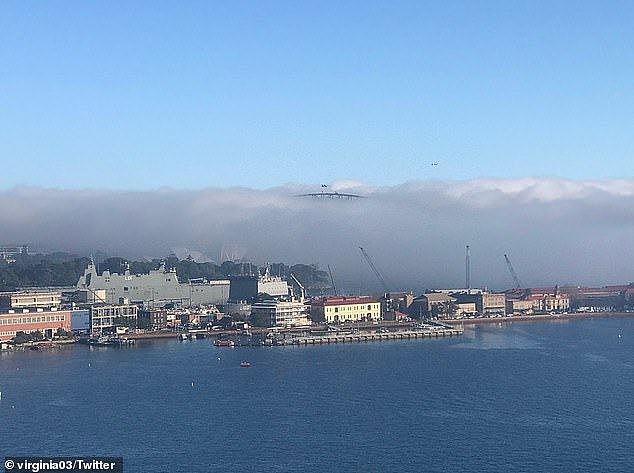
(324, 185)
(435, 163)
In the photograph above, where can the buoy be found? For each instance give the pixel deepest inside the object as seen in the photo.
(192, 384)
(218, 358)
(88, 365)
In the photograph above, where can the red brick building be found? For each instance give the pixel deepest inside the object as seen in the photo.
(46, 321)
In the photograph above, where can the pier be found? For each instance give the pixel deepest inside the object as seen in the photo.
(375, 337)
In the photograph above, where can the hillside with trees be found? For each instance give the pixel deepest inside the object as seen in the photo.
(61, 269)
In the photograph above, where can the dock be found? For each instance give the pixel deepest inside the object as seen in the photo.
(375, 337)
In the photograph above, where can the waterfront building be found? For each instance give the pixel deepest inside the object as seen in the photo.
(345, 309)
(155, 289)
(240, 310)
(48, 322)
(153, 319)
(273, 313)
(433, 305)
(107, 317)
(608, 298)
(487, 304)
(80, 320)
(465, 309)
(493, 304)
(30, 299)
(519, 307)
(547, 300)
(467, 296)
(208, 316)
(395, 305)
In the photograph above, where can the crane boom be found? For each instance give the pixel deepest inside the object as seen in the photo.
(301, 287)
(518, 285)
(375, 270)
(332, 280)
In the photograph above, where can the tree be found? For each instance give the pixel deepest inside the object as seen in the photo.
(61, 333)
(21, 337)
(37, 336)
(443, 310)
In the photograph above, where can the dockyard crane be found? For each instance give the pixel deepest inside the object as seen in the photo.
(368, 259)
(518, 285)
(332, 280)
(301, 287)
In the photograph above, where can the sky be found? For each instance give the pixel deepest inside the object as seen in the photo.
(148, 127)
(189, 95)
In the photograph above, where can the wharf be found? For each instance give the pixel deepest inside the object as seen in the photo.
(372, 337)
(150, 335)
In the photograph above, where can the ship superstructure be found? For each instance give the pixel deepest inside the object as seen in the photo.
(154, 289)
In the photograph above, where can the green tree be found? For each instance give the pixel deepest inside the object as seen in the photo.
(37, 336)
(21, 337)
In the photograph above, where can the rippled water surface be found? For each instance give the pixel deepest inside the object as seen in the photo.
(527, 397)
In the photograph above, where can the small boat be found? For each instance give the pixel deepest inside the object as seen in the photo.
(224, 343)
(245, 364)
(102, 341)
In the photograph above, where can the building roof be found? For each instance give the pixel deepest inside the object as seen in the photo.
(438, 297)
(343, 300)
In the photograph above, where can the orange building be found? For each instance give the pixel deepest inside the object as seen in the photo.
(45, 321)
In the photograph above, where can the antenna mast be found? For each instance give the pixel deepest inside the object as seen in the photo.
(468, 268)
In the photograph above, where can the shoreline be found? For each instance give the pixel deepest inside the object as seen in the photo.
(538, 318)
(155, 336)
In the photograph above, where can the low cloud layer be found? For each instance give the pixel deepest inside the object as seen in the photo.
(554, 230)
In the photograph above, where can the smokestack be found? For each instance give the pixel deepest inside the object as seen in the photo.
(468, 268)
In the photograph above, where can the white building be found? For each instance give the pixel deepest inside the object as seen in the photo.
(107, 317)
(279, 314)
(30, 299)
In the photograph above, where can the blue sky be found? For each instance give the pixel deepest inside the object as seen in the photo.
(129, 95)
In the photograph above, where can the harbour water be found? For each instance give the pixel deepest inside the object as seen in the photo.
(525, 397)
